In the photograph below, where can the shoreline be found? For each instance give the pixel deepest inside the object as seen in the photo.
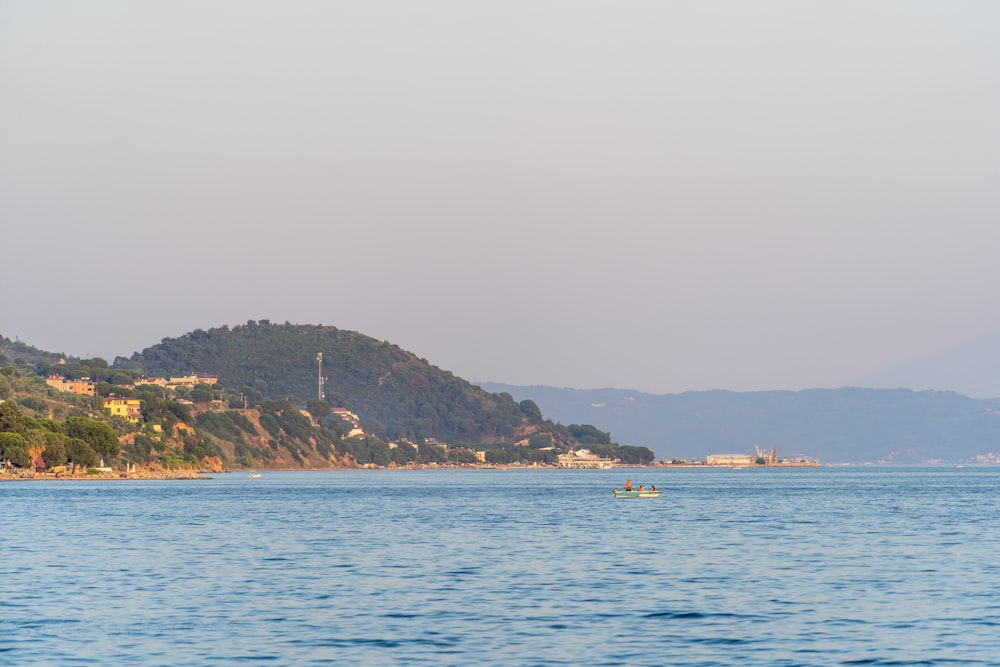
(159, 475)
(174, 475)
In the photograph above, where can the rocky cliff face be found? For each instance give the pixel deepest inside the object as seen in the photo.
(259, 447)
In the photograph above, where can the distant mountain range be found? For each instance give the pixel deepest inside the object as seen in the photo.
(847, 425)
(939, 408)
(971, 369)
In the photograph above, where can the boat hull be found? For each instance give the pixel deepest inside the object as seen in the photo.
(635, 494)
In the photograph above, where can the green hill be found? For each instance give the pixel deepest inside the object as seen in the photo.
(395, 393)
(17, 351)
(264, 410)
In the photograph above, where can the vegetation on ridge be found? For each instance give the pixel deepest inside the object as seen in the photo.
(408, 408)
(396, 394)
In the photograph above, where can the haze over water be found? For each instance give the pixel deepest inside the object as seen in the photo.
(827, 566)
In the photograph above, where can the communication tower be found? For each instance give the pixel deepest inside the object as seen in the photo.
(319, 375)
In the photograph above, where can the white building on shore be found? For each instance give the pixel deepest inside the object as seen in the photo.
(584, 458)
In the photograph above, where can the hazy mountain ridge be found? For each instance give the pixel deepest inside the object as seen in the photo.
(971, 369)
(847, 425)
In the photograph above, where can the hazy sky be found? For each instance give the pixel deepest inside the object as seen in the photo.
(660, 195)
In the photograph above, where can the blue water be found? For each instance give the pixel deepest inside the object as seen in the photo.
(829, 566)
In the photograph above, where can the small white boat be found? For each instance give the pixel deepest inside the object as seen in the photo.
(645, 493)
(254, 475)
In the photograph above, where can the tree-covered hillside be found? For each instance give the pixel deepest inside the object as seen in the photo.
(260, 414)
(395, 393)
(15, 350)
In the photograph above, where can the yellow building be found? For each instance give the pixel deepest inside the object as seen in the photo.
(80, 387)
(129, 408)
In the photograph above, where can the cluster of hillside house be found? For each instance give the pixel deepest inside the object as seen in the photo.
(87, 387)
(127, 408)
(82, 387)
(351, 419)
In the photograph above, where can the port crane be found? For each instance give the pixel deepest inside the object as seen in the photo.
(770, 456)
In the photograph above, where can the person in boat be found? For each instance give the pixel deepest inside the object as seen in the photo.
(628, 485)
(653, 488)
(642, 488)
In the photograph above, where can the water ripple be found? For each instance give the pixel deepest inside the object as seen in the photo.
(813, 567)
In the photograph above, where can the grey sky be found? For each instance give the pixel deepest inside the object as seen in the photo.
(661, 196)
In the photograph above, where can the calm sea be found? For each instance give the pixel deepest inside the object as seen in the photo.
(828, 566)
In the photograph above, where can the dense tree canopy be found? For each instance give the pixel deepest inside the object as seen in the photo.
(13, 419)
(385, 385)
(14, 448)
(99, 436)
(79, 453)
(586, 434)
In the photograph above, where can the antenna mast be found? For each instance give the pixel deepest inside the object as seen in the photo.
(319, 370)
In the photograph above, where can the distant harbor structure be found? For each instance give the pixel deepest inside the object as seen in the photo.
(729, 460)
(759, 457)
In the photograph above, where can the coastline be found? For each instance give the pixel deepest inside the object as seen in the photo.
(168, 475)
(151, 475)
